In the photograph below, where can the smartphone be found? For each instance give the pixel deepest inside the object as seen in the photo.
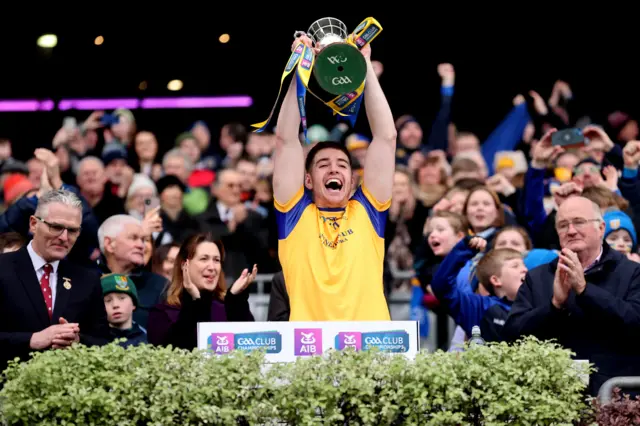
(568, 138)
(69, 124)
(110, 119)
(150, 204)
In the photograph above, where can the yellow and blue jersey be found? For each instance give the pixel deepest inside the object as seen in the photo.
(332, 258)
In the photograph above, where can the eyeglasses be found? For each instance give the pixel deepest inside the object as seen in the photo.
(581, 170)
(579, 224)
(57, 229)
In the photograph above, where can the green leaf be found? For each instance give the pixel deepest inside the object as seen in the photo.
(527, 383)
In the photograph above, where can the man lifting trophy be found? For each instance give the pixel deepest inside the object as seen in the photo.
(337, 63)
(330, 231)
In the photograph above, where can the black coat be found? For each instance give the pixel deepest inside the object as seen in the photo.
(601, 325)
(279, 307)
(244, 247)
(23, 311)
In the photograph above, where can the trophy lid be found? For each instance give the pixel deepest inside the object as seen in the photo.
(327, 30)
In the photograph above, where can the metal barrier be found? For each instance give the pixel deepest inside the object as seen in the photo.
(605, 393)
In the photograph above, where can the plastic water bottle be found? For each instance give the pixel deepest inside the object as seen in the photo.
(476, 338)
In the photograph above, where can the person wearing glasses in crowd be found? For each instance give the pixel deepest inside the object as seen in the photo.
(46, 301)
(588, 299)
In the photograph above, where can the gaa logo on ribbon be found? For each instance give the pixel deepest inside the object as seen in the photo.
(269, 341)
(308, 341)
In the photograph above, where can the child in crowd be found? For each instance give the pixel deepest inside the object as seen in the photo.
(620, 234)
(509, 237)
(500, 273)
(442, 231)
(120, 300)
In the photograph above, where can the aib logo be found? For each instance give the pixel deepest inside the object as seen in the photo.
(308, 341)
(347, 340)
(221, 343)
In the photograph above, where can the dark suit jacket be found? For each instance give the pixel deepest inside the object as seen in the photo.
(23, 310)
(279, 307)
(244, 247)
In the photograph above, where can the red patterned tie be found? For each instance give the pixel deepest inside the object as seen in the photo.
(46, 288)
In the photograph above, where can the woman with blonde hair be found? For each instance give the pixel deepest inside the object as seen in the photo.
(198, 293)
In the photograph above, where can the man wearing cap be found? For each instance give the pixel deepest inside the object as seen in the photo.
(120, 300)
(119, 174)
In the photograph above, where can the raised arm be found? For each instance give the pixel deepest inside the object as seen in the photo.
(288, 171)
(380, 161)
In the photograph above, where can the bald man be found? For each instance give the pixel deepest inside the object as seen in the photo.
(588, 299)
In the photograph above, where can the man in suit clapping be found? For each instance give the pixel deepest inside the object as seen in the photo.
(47, 302)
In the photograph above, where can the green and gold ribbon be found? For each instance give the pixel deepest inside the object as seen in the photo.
(303, 75)
(294, 59)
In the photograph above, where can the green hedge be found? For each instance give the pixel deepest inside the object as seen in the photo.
(528, 383)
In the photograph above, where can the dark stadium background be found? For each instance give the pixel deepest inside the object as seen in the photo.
(496, 56)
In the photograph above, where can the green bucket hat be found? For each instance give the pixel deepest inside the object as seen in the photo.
(118, 283)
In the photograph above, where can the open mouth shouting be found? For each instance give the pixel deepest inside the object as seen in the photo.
(333, 185)
(436, 246)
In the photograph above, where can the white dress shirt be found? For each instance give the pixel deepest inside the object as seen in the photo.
(38, 265)
(226, 214)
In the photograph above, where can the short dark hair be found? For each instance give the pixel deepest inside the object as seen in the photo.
(11, 239)
(246, 158)
(467, 184)
(491, 264)
(237, 131)
(325, 145)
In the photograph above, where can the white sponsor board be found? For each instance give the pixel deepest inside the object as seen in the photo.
(286, 341)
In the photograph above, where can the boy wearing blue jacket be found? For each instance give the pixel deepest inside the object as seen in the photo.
(500, 272)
